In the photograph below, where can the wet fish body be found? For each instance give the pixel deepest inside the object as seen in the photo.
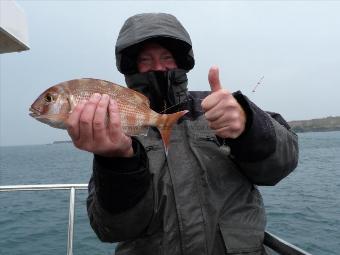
(54, 106)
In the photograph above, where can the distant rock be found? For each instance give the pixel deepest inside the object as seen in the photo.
(316, 125)
(58, 142)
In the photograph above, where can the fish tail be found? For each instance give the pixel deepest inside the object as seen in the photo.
(166, 124)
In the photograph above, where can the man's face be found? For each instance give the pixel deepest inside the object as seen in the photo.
(154, 57)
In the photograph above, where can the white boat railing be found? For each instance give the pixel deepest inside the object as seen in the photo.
(273, 242)
(43, 187)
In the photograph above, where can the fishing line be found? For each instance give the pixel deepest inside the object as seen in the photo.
(175, 105)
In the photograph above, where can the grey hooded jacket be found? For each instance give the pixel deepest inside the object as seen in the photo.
(202, 197)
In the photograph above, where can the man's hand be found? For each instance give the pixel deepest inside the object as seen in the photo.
(91, 130)
(224, 114)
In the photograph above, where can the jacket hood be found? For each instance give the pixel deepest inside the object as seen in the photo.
(163, 28)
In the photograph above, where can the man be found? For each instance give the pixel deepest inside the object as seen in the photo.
(201, 197)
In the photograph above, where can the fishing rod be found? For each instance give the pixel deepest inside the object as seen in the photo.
(257, 84)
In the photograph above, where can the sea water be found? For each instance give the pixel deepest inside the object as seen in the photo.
(303, 208)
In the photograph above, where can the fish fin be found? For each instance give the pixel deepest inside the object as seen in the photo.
(165, 127)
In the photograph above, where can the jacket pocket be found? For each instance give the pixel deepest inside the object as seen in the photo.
(242, 240)
(141, 246)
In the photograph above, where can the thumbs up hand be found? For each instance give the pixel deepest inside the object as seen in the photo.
(222, 111)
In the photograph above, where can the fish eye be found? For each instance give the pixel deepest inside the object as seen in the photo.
(49, 98)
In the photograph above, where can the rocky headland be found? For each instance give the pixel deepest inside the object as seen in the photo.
(316, 125)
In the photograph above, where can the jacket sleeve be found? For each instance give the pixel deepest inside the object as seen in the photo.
(120, 198)
(268, 149)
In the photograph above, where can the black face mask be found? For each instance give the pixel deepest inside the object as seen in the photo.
(166, 90)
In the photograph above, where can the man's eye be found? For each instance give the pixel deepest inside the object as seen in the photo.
(144, 59)
(168, 57)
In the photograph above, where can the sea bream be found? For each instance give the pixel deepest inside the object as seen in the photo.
(54, 106)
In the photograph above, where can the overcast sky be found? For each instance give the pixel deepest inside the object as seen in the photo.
(294, 45)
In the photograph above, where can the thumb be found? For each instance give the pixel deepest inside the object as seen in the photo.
(214, 79)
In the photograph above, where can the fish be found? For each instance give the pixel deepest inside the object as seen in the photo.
(56, 103)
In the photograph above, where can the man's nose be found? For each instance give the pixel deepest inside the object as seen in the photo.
(158, 65)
